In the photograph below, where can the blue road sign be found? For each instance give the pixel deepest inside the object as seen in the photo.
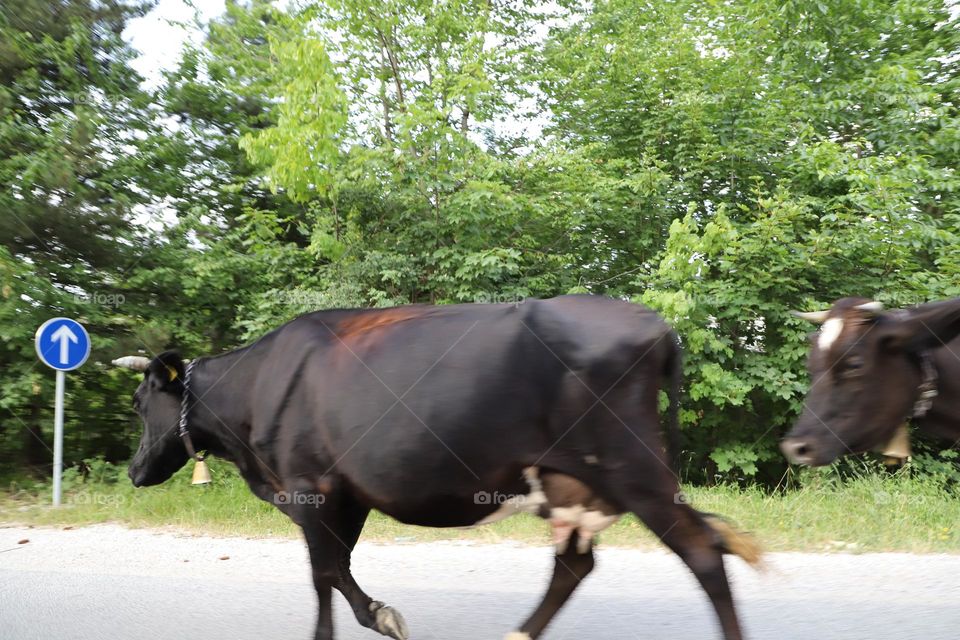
(62, 344)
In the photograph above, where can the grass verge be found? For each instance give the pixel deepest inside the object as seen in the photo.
(867, 514)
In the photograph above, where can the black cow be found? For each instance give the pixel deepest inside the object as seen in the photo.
(871, 372)
(444, 416)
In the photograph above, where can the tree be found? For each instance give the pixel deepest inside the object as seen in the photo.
(70, 112)
(234, 244)
(808, 153)
(384, 132)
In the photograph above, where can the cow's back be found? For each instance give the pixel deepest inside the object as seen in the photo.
(584, 330)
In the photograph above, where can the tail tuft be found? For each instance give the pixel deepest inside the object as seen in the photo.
(736, 542)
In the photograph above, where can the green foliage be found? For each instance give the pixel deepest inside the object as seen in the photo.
(70, 111)
(807, 155)
(406, 204)
(721, 162)
(930, 460)
(301, 149)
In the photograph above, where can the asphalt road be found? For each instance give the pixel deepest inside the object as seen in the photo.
(106, 582)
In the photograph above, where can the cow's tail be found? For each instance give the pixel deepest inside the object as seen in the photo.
(673, 372)
(736, 542)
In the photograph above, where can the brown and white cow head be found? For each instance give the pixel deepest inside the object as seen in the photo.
(866, 368)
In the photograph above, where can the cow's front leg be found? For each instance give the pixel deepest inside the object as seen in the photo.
(369, 612)
(331, 527)
(372, 613)
(323, 563)
(317, 514)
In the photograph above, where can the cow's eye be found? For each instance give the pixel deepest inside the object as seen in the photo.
(851, 366)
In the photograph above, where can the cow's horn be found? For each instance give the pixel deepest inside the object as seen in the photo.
(818, 317)
(873, 307)
(137, 363)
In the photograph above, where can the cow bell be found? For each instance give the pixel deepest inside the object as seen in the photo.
(201, 474)
(897, 451)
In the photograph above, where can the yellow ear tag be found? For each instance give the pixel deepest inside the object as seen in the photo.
(173, 373)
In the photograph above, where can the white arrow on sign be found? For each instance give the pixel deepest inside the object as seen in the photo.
(64, 336)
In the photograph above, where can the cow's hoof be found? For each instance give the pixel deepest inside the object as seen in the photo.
(389, 622)
(517, 635)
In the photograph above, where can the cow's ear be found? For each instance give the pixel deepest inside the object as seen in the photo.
(167, 369)
(928, 326)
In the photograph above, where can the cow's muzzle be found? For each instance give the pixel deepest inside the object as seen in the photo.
(136, 476)
(798, 451)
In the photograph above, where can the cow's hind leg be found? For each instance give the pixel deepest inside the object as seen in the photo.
(369, 612)
(700, 546)
(571, 566)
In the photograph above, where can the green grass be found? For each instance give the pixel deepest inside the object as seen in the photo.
(870, 513)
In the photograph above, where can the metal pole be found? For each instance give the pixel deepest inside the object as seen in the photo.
(58, 438)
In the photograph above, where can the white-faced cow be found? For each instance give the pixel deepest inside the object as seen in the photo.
(444, 416)
(872, 371)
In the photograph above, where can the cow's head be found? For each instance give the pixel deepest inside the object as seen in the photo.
(866, 371)
(161, 452)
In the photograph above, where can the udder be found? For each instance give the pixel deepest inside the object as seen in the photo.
(572, 506)
(566, 503)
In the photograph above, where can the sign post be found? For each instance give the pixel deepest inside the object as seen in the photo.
(62, 344)
(58, 437)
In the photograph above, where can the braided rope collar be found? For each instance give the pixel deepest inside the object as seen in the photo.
(184, 408)
(928, 388)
